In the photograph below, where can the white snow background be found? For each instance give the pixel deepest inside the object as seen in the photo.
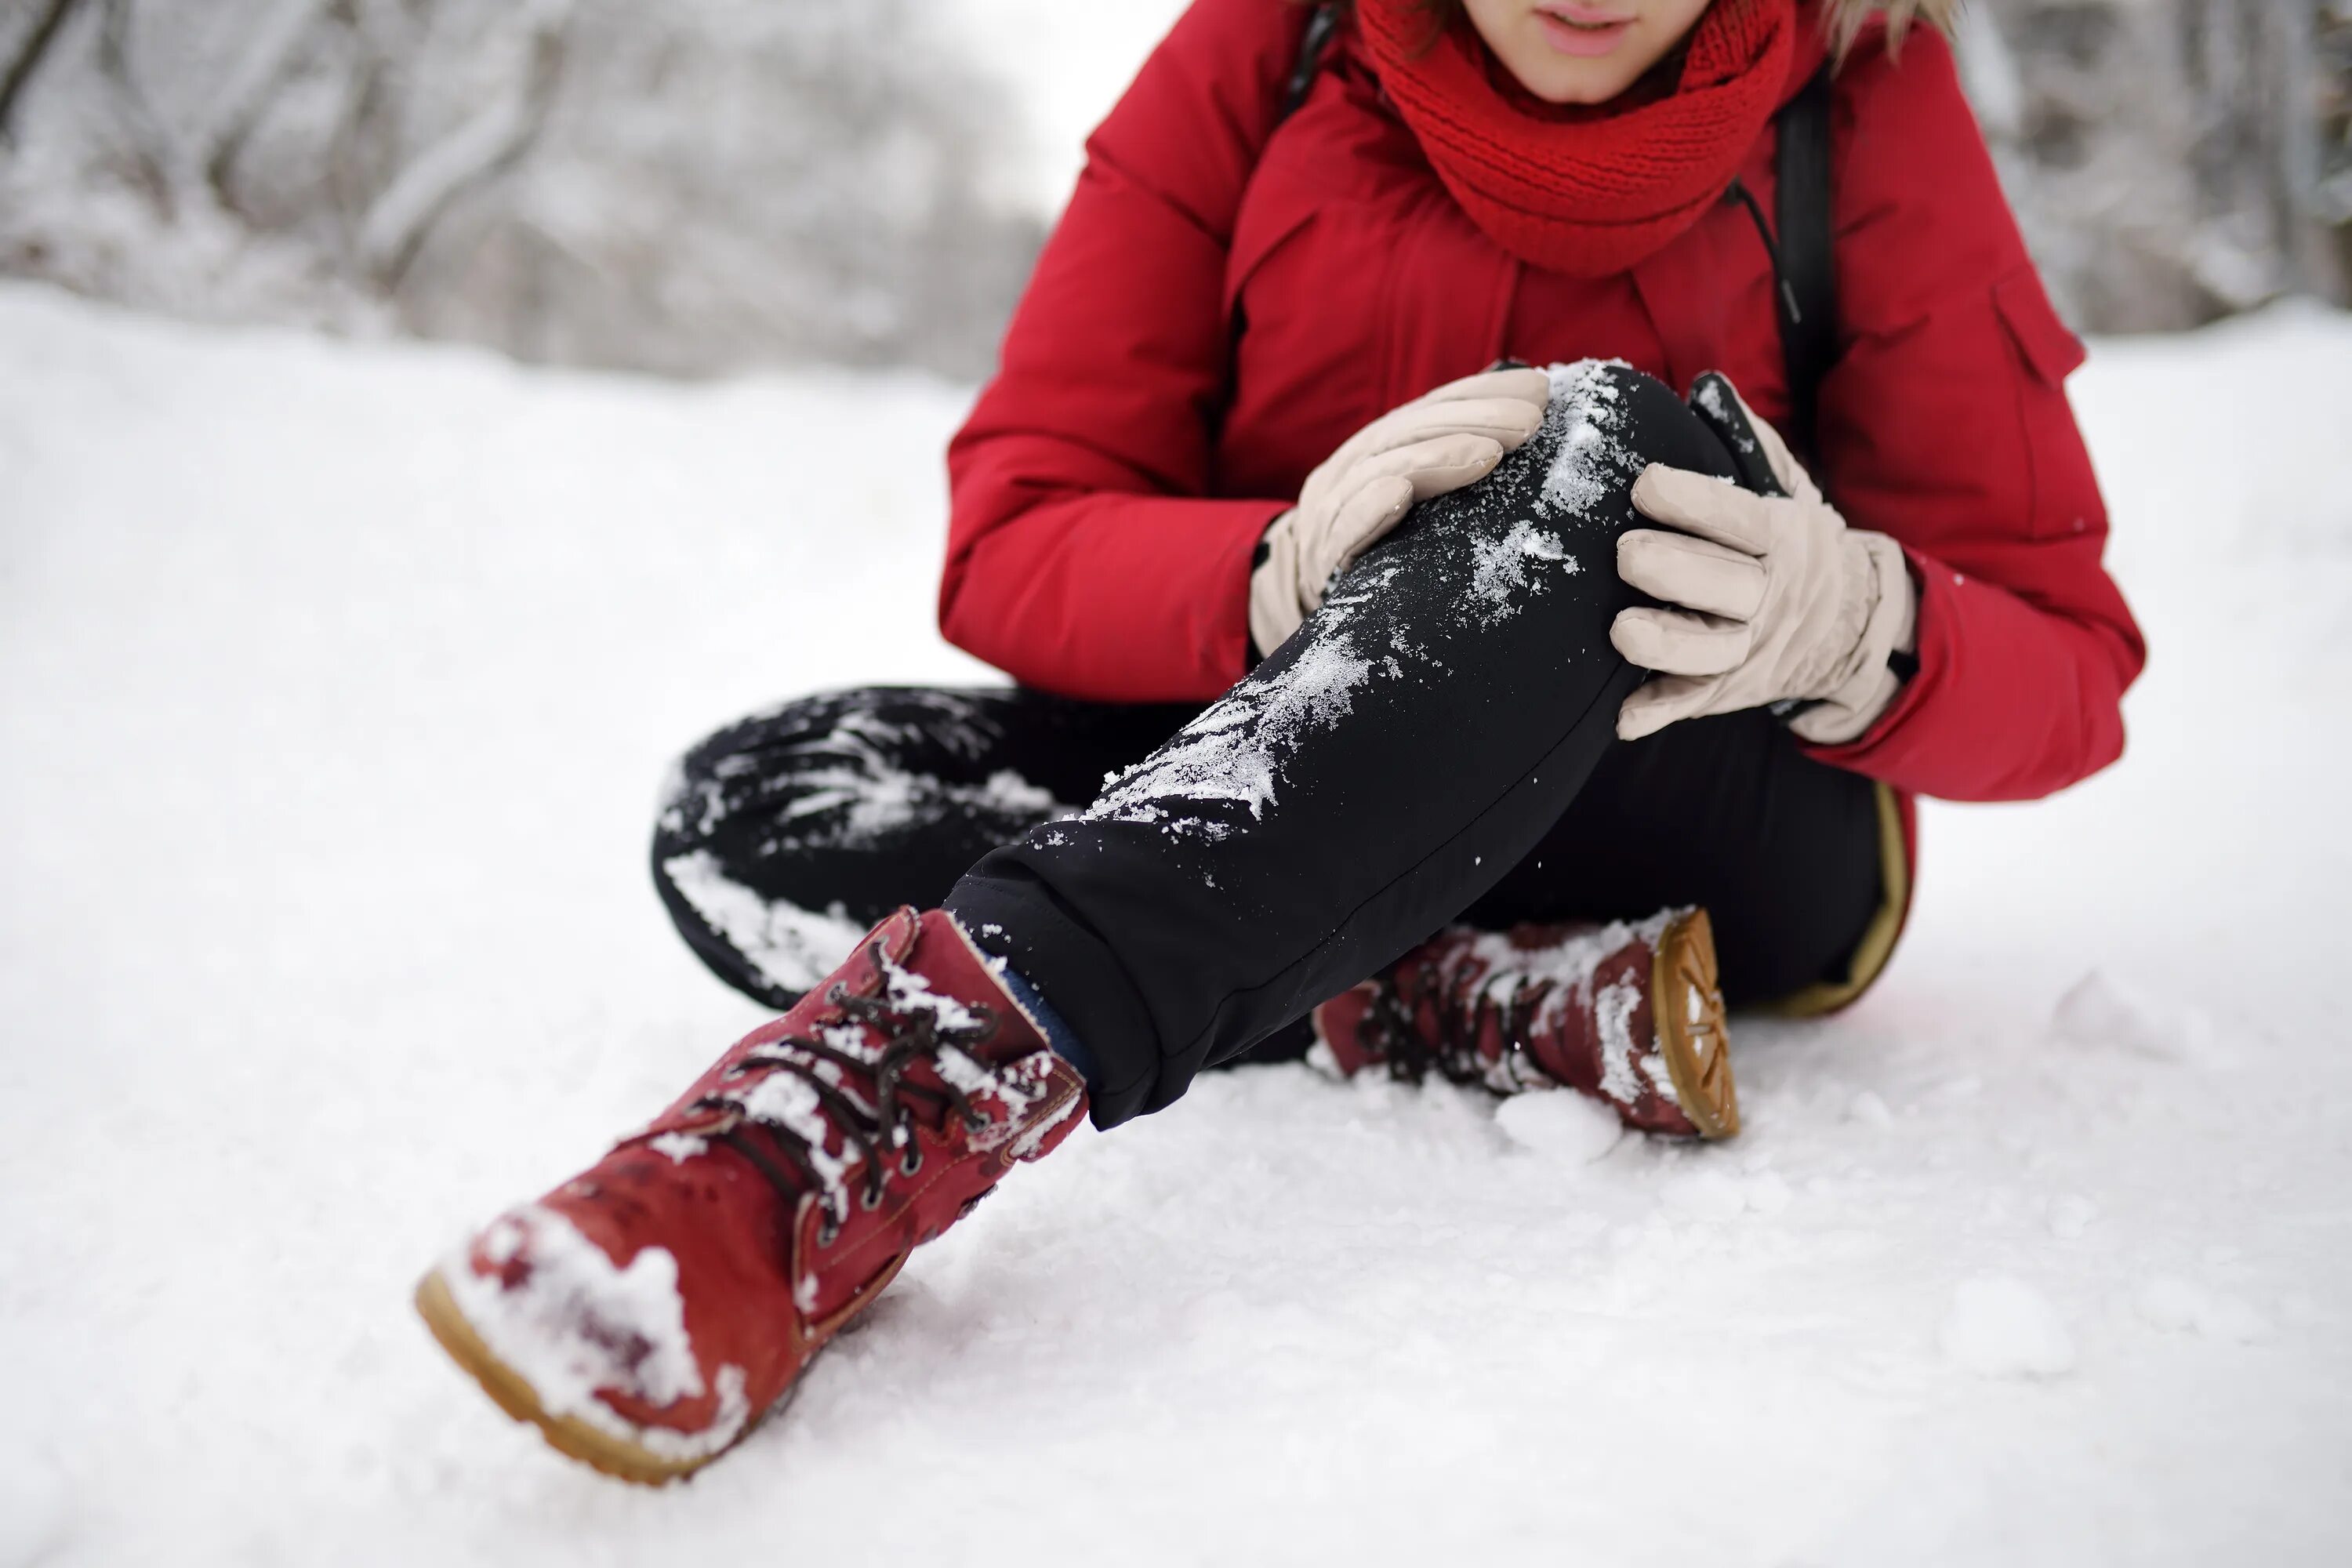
(335, 685)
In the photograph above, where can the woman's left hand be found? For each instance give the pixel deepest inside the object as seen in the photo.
(1770, 599)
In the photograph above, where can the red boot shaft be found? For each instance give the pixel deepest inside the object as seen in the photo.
(1629, 1015)
(646, 1314)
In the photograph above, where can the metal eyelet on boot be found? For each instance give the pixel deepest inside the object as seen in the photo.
(828, 1233)
(868, 1199)
(912, 1162)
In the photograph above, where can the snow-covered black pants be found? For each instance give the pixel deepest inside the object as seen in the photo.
(1437, 742)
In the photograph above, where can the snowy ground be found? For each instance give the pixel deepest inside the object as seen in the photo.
(335, 684)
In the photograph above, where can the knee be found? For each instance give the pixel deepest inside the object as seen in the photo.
(1636, 393)
(711, 780)
(1567, 491)
(1606, 423)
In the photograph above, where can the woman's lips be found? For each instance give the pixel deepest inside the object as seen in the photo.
(1584, 30)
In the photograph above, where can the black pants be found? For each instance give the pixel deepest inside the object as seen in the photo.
(1437, 743)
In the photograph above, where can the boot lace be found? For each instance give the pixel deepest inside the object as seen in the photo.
(869, 1125)
(1392, 1035)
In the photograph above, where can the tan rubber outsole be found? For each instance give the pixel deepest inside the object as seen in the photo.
(568, 1435)
(1697, 1049)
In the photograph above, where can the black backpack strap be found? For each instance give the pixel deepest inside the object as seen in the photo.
(1321, 23)
(1806, 258)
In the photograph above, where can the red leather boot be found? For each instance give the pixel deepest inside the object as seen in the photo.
(646, 1314)
(1630, 1014)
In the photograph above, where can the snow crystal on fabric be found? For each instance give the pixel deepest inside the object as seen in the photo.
(1711, 396)
(873, 799)
(679, 1147)
(1026, 1146)
(1612, 1016)
(681, 794)
(1500, 575)
(791, 947)
(1232, 753)
(1016, 1085)
(950, 718)
(911, 992)
(1565, 969)
(1586, 416)
(785, 1100)
(574, 1323)
(851, 794)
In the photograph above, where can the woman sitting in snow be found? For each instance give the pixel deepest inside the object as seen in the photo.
(1587, 676)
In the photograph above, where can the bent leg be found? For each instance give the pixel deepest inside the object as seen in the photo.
(783, 837)
(1380, 771)
(1728, 814)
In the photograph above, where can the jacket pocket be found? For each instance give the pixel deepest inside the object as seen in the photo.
(2065, 496)
(1303, 332)
(1257, 237)
(2050, 352)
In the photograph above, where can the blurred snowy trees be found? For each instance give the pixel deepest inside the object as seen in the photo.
(705, 183)
(687, 187)
(2172, 161)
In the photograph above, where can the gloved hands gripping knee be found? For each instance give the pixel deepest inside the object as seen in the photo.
(1767, 598)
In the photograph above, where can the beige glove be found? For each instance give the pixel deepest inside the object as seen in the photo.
(1775, 599)
(1439, 441)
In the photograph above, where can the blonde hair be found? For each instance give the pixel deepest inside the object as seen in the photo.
(1845, 18)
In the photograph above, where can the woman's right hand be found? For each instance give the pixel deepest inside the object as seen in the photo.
(1439, 442)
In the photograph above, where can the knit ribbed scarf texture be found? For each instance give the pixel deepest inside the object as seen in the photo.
(1593, 195)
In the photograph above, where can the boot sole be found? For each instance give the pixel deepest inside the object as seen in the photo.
(510, 1392)
(1687, 1001)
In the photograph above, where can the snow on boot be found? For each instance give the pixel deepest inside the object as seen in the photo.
(1630, 1014)
(646, 1314)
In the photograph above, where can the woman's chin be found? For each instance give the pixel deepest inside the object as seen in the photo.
(1582, 82)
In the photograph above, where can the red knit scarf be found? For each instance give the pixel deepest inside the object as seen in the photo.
(1589, 195)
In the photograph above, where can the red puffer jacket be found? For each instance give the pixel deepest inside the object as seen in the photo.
(1227, 299)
